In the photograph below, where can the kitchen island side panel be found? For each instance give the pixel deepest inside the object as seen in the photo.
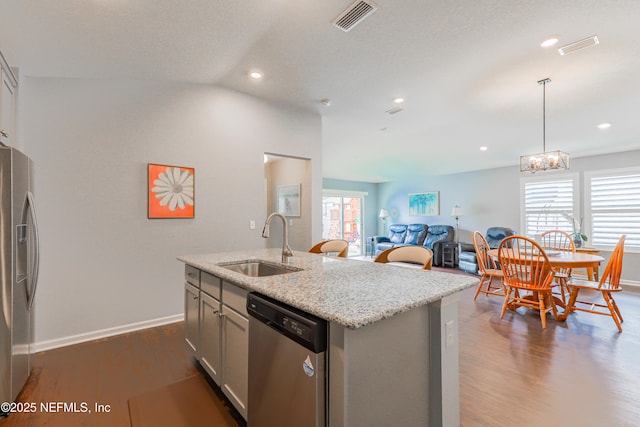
(379, 374)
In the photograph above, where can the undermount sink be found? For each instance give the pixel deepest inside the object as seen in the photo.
(258, 268)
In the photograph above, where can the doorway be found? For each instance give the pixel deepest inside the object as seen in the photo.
(342, 218)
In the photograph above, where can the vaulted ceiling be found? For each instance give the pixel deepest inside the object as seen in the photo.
(468, 70)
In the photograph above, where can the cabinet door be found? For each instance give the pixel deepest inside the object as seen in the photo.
(7, 110)
(210, 328)
(191, 317)
(235, 358)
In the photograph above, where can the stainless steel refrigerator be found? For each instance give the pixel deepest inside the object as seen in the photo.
(19, 260)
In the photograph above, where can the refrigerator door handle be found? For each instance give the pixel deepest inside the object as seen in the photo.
(29, 208)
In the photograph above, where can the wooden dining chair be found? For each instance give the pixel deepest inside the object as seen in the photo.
(608, 284)
(526, 268)
(488, 268)
(560, 241)
(411, 254)
(332, 246)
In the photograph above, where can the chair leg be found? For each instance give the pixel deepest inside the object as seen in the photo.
(542, 308)
(615, 306)
(479, 288)
(610, 304)
(573, 297)
(507, 295)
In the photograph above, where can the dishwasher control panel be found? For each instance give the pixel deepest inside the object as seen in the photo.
(304, 328)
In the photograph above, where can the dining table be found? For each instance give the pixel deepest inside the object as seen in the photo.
(565, 259)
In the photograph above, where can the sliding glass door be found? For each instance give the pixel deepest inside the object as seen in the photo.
(342, 219)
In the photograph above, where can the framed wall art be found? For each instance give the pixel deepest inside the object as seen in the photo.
(289, 200)
(170, 191)
(424, 204)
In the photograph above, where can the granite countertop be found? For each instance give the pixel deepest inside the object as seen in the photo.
(347, 292)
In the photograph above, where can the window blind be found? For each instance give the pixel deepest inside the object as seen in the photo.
(615, 209)
(546, 206)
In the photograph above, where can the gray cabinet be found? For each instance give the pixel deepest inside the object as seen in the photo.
(217, 331)
(210, 328)
(235, 358)
(191, 316)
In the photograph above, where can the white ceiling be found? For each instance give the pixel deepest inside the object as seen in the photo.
(468, 69)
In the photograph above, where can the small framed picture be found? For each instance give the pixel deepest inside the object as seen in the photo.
(170, 191)
(289, 200)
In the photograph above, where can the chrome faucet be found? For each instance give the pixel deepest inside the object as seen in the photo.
(286, 250)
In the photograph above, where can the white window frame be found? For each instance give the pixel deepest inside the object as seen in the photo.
(354, 195)
(588, 175)
(574, 177)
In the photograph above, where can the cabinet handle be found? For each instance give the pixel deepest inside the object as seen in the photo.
(220, 314)
(195, 298)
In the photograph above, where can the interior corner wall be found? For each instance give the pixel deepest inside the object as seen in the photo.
(490, 198)
(290, 171)
(104, 265)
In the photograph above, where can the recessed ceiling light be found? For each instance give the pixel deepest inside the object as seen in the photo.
(550, 41)
(398, 100)
(255, 75)
(326, 102)
(604, 125)
(483, 148)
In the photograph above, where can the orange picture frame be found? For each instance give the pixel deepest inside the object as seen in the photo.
(171, 191)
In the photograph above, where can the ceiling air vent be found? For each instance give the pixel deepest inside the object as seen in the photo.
(395, 110)
(581, 44)
(354, 14)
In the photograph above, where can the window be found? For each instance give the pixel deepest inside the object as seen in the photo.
(548, 203)
(613, 207)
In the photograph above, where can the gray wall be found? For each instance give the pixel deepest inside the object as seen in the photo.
(492, 198)
(104, 265)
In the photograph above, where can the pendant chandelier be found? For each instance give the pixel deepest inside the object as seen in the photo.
(546, 160)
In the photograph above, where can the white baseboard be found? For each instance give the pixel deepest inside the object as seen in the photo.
(103, 333)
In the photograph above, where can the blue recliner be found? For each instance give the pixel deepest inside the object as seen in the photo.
(425, 235)
(435, 236)
(402, 235)
(469, 262)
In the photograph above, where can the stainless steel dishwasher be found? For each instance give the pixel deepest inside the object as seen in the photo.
(287, 348)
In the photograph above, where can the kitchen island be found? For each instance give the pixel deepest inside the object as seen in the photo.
(393, 341)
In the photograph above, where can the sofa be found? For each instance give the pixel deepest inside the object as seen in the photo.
(425, 235)
(467, 259)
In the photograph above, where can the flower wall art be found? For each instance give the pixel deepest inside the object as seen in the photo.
(171, 191)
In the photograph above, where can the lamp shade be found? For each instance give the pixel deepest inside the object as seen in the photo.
(456, 211)
(383, 214)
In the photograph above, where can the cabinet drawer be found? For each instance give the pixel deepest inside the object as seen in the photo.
(210, 284)
(192, 275)
(235, 297)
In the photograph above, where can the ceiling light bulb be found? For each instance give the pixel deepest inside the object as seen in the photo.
(483, 148)
(255, 75)
(398, 100)
(604, 125)
(549, 42)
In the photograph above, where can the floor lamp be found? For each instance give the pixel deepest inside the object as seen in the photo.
(457, 213)
(384, 215)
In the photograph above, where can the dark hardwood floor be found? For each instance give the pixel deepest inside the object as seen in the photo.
(581, 372)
